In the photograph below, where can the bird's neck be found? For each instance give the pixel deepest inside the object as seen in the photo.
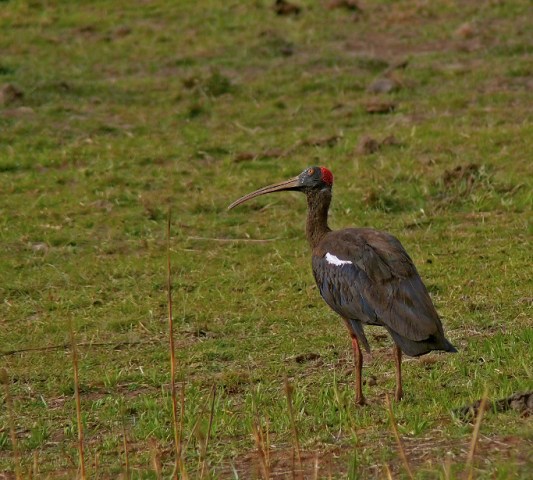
(317, 215)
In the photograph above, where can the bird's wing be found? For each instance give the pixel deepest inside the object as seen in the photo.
(367, 275)
(336, 280)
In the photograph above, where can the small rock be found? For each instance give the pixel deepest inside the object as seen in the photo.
(466, 30)
(121, 31)
(368, 145)
(287, 50)
(9, 94)
(306, 357)
(379, 106)
(384, 85)
(282, 7)
(322, 141)
(521, 402)
(244, 156)
(372, 381)
(352, 5)
(391, 141)
(86, 29)
(268, 153)
(272, 153)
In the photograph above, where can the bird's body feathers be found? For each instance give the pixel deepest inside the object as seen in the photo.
(367, 277)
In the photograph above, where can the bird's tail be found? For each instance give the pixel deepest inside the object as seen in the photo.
(448, 347)
(414, 348)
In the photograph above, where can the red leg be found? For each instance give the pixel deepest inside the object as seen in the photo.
(358, 357)
(398, 394)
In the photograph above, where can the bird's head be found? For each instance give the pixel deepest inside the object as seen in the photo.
(311, 179)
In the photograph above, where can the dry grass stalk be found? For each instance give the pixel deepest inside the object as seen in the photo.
(296, 441)
(96, 472)
(399, 443)
(388, 473)
(4, 378)
(316, 465)
(78, 401)
(262, 442)
(475, 435)
(208, 436)
(35, 471)
(156, 458)
(175, 420)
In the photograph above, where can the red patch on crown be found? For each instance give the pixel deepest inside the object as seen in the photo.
(327, 176)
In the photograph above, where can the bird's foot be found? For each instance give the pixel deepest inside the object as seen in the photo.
(360, 400)
(398, 395)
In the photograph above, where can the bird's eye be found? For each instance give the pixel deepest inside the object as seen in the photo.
(310, 171)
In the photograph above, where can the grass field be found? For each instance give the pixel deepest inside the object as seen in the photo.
(123, 110)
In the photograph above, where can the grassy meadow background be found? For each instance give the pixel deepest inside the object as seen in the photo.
(118, 111)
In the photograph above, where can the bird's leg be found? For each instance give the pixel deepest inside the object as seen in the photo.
(398, 394)
(358, 357)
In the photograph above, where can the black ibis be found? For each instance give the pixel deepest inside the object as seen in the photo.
(367, 277)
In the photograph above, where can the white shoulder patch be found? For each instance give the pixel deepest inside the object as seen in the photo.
(336, 261)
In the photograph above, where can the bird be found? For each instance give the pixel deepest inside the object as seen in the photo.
(366, 277)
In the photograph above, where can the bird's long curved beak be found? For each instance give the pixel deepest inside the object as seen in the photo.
(291, 184)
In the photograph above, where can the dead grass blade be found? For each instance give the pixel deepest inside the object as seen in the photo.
(35, 468)
(155, 453)
(4, 378)
(296, 441)
(78, 401)
(475, 435)
(262, 443)
(96, 467)
(175, 420)
(316, 467)
(388, 472)
(399, 443)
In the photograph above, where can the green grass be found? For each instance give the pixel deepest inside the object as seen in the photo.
(130, 109)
